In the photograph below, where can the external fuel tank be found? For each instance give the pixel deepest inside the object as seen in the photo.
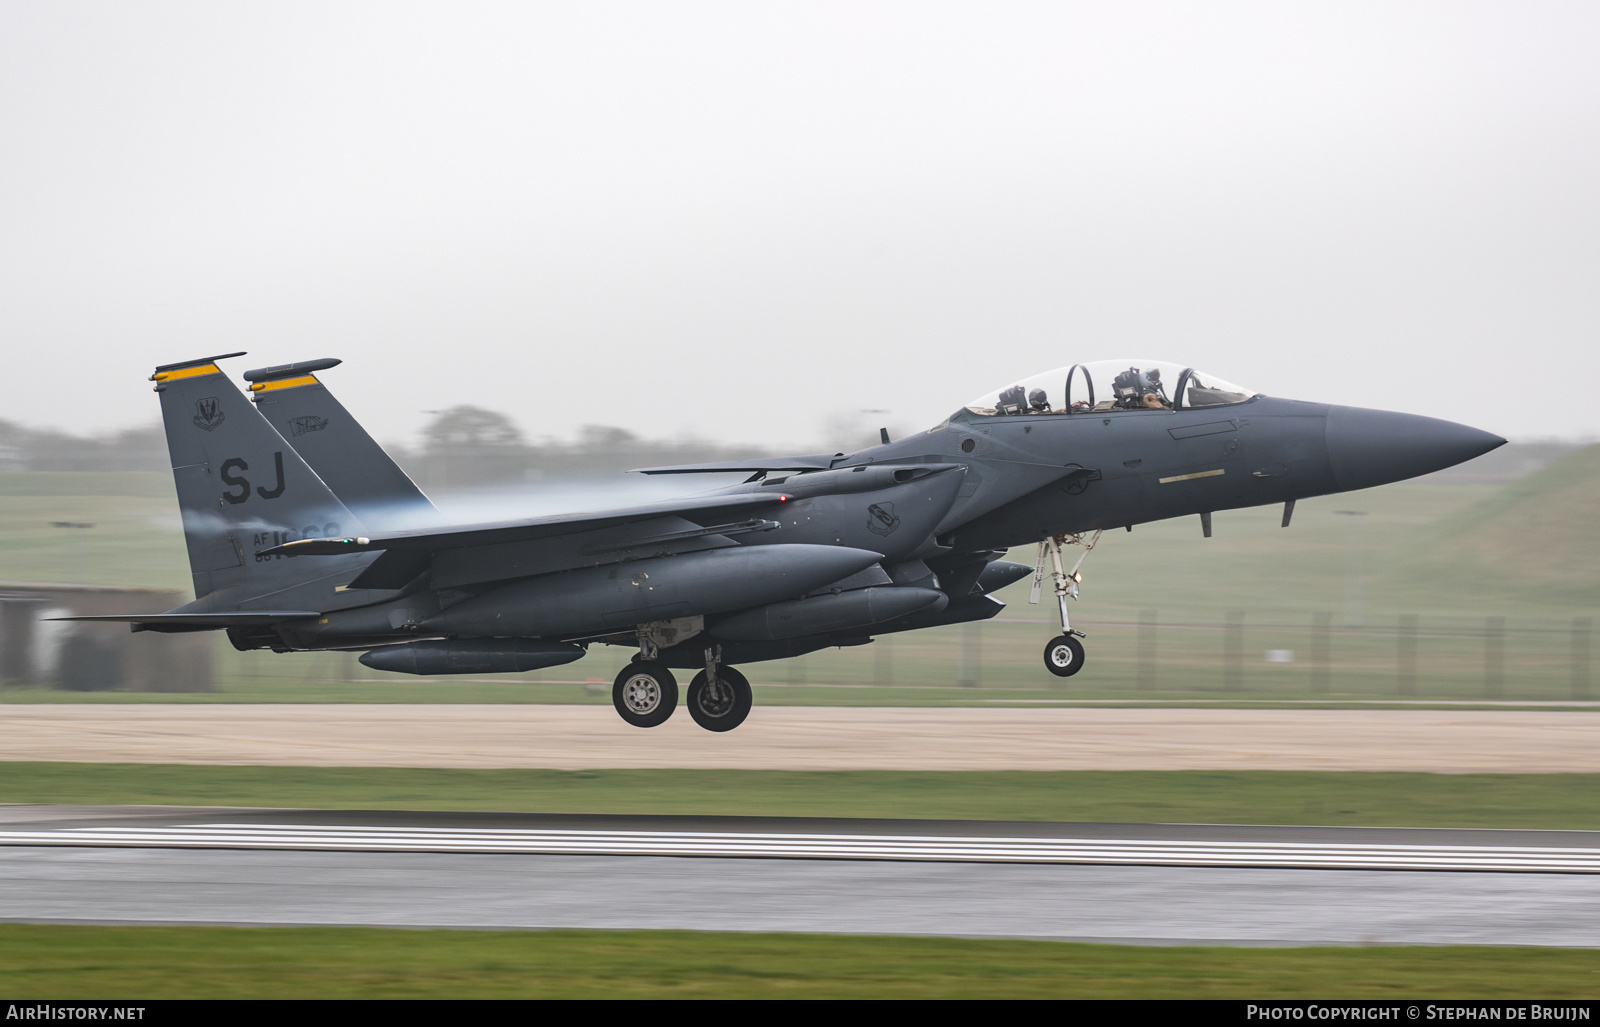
(860, 608)
(598, 599)
(471, 656)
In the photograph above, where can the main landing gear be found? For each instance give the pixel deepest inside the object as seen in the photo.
(1063, 656)
(719, 697)
(646, 693)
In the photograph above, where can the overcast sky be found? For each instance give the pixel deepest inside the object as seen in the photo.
(741, 219)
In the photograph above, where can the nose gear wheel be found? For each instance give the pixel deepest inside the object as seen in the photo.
(1063, 657)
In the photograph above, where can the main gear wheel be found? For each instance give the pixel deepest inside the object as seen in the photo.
(724, 707)
(645, 693)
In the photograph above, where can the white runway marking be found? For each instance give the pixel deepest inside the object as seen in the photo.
(952, 849)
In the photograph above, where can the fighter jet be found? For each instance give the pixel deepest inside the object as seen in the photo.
(303, 535)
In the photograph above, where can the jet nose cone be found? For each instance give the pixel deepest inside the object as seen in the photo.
(1373, 447)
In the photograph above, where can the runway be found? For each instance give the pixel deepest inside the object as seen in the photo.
(819, 845)
(1112, 882)
(808, 738)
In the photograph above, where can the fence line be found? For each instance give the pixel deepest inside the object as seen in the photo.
(1406, 655)
(1321, 623)
(1283, 625)
(1146, 649)
(1581, 627)
(1494, 657)
(1234, 652)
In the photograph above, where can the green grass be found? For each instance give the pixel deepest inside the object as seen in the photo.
(1552, 801)
(136, 538)
(131, 963)
(57, 484)
(1536, 533)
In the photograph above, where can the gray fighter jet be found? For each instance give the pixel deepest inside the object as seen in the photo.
(304, 535)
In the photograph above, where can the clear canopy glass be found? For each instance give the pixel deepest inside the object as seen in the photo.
(1107, 385)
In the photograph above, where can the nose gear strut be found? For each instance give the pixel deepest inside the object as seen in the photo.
(1063, 656)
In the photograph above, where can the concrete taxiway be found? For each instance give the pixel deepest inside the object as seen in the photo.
(809, 738)
(1114, 882)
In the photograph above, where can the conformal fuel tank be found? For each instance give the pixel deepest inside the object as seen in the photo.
(599, 599)
(859, 608)
(471, 656)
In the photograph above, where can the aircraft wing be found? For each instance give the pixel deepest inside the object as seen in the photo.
(788, 463)
(532, 529)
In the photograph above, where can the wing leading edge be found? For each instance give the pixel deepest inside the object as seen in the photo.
(792, 463)
(533, 529)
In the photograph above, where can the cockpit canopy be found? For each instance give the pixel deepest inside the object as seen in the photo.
(1107, 385)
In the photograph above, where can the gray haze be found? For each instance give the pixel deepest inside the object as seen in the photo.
(749, 221)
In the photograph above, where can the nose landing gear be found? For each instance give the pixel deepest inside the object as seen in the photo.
(1063, 656)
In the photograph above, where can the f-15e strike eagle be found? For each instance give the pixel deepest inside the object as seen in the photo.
(304, 535)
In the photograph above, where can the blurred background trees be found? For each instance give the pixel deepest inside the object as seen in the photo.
(464, 447)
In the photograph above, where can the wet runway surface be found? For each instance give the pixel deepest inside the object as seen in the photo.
(1131, 901)
(798, 838)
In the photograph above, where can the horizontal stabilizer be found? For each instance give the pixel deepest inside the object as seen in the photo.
(171, 622)
(196, 362)
(786, 463)
(517, 531)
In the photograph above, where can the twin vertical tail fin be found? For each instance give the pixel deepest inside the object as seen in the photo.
(241, 487)
(337, 448)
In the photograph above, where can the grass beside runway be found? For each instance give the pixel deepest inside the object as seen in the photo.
(130, 963)
(1528, 801)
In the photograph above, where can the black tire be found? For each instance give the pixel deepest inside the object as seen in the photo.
(1063, 657)
(645, 694)
(725, 712)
